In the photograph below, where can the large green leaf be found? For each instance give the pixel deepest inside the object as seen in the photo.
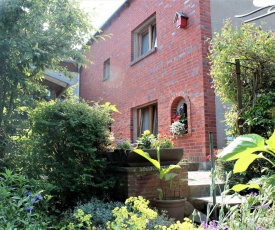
(240, 187)
(165, 171)
(242, 163)
(242, 146)
(271, 142)
(147, 156)
(170, 176)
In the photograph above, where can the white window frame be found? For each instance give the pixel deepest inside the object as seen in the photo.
(147, 26)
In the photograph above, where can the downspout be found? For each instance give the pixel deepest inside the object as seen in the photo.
(78, 80)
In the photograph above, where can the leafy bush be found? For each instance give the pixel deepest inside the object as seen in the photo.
(23, 202)
(100, 211)
(248, 43)
(123, 144)
(245, 150)
(255, 170)
(62, 147)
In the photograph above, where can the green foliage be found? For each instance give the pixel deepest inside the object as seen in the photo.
(255, 212)
(255, 170)
(246, 149)
(162, 141)
(62, 147)
(255, 48)
(83, 221)
(123, 144)
(23, 202)
(134, 214)
(100, 211)
(136, 218)
(137, 215)
(35, 35)
(149, 141)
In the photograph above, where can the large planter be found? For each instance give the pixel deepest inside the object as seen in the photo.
(175, 208)
(128, 158)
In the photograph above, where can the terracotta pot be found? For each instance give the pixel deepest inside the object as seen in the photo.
(167, 157)
(175, 208)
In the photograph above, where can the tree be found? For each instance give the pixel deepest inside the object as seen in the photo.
(34, 35)
(255, 49)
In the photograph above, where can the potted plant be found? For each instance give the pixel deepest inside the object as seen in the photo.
(170, 198)
(121, 152)
(179, 125)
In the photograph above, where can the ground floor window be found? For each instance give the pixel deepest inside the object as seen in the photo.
(146, 119)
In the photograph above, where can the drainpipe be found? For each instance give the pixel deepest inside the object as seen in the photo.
(78, 80)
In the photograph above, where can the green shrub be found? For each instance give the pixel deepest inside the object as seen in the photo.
(255, 170)
(62, 146)
(100, 211)
(23, 202)
(123, 144)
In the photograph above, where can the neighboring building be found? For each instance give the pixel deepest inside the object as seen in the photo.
(58, 83)
(150, 69)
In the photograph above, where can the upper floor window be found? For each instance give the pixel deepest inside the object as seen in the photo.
(106, 70)
(145, 38)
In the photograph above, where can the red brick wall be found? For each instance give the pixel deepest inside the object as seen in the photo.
(144, 181)
(178, 68)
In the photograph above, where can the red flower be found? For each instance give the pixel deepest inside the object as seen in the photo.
(215, 151)
(175, 117)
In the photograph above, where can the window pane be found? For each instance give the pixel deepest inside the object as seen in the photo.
(145, 120)
(144, 43)
(106, 74)
(154, 36)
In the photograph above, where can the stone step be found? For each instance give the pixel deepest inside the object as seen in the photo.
(201, 203)
(203, 190)
(199, 184)
(200, 197)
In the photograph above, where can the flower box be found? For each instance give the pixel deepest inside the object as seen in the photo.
(127, 158)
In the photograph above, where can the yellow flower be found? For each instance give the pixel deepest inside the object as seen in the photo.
(146, 132)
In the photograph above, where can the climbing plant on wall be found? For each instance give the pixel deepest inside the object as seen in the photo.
(254, 47)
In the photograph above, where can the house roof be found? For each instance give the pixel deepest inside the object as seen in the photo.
(126, 3)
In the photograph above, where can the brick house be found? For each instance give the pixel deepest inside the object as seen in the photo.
(150, 69)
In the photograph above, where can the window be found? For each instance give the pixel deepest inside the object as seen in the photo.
(147, 119)
(145, 38)
(106, 70)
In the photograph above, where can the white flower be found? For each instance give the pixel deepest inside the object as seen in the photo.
(177, 128)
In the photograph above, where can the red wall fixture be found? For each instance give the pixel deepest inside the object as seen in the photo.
(180, 20)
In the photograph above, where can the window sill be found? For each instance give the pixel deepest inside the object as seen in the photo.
(143, 56)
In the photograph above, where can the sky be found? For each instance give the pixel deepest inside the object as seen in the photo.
(262, 3)
(104, 9)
